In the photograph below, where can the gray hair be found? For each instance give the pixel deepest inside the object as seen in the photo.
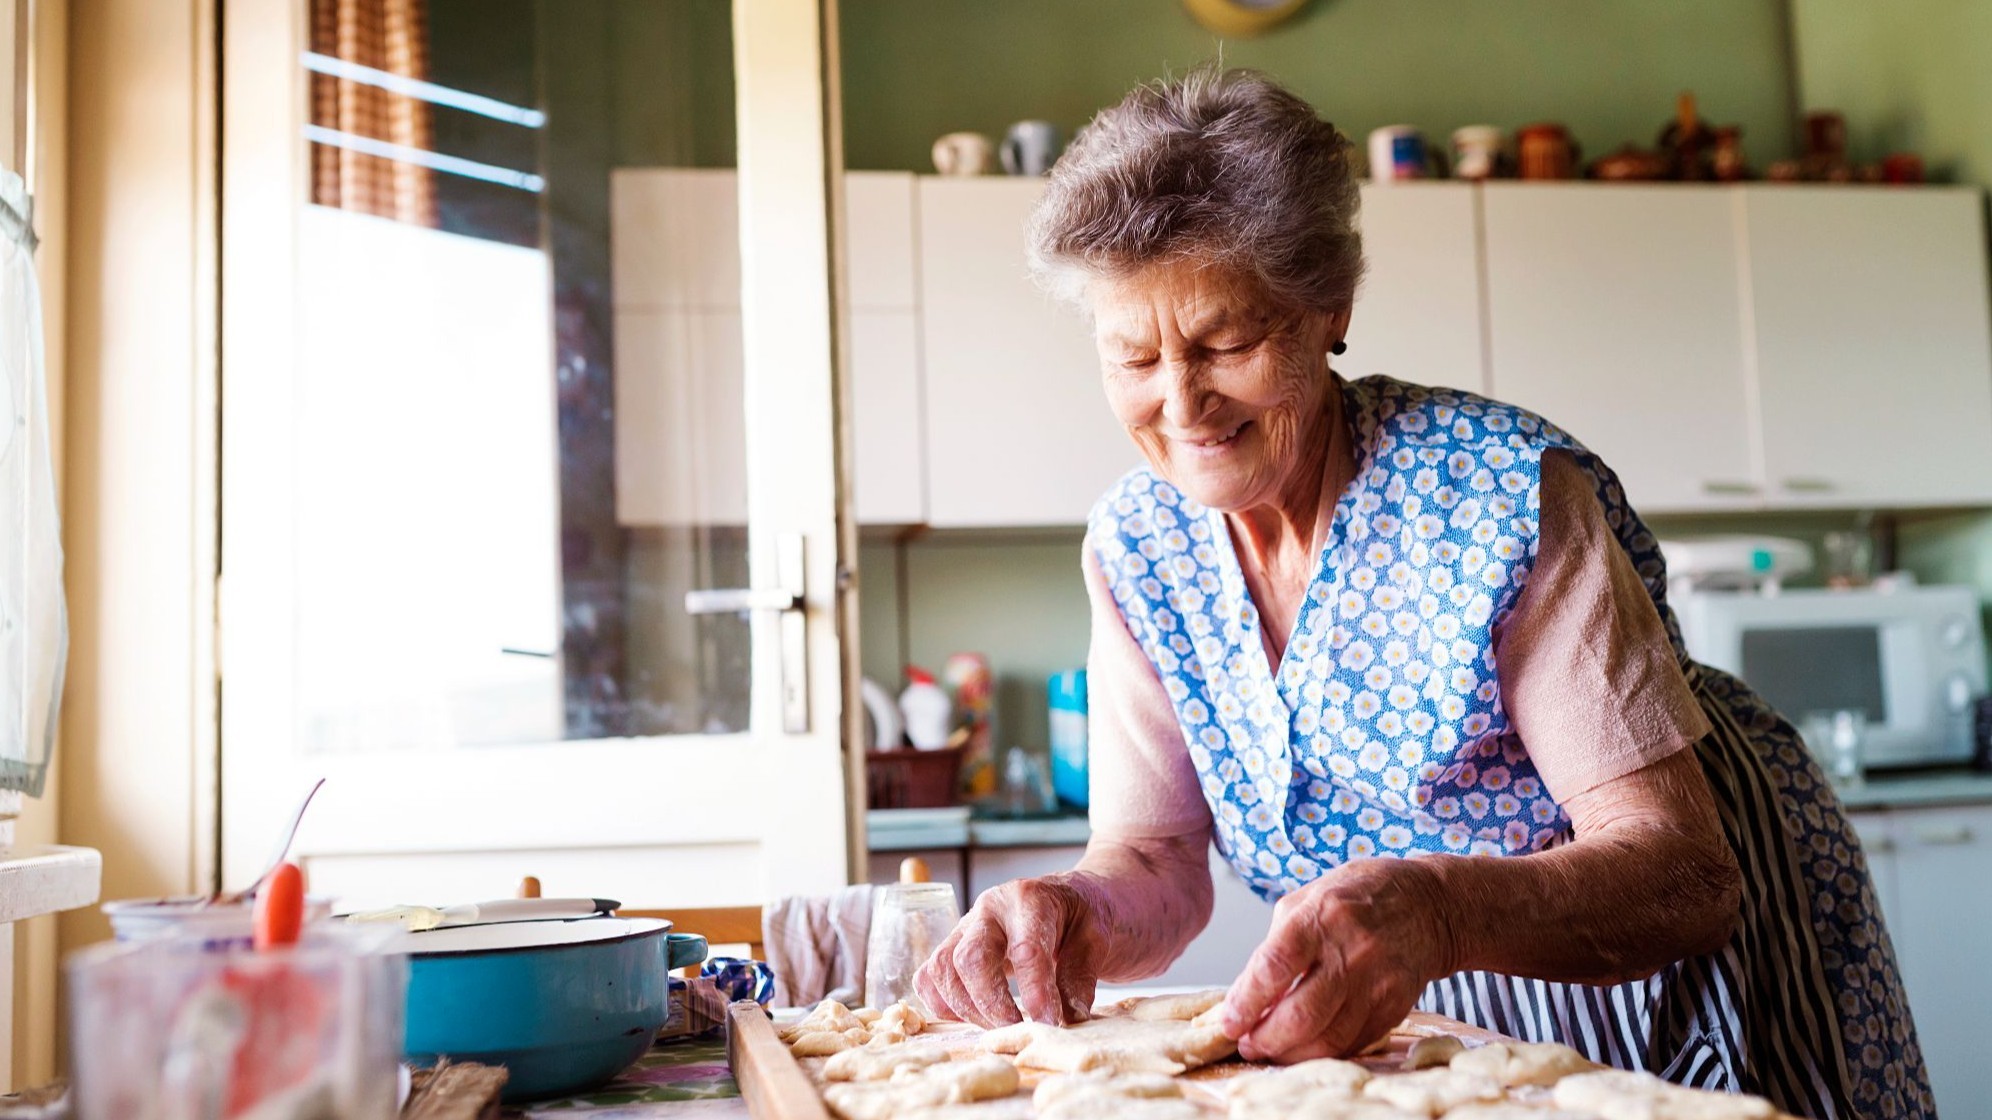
(1221, 168)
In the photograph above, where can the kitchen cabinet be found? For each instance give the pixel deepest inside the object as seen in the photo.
(1873, 357)
(1767, 347)
(1930, 870)
(680, 425)
(1418, 313)
(1019, 431)
(1617, 313)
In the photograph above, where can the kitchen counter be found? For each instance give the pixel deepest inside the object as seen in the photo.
(1918, 788)
(888, 832)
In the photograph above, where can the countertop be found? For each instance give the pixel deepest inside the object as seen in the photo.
(890, 830)
(1919, 788)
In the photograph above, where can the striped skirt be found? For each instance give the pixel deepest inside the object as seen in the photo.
(1803, 1006)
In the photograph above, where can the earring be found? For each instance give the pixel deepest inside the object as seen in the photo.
(1340, 347)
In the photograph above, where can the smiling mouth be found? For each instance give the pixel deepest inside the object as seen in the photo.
(1216, 442)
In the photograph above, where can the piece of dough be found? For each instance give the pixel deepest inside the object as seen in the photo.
(1511, 1112)
(1522, 1063)
(1122, 1108)
(1119, 1044)
(1321, 1077)
(873, 1062)
(1432, 1091)
(1182, 1006)
(866, 1015)
(1432, 1052)
(901, 1017)
(1322, 1106)
(1008, 1108)
(948, 1083)
(1618, 1094)
(1011, 1039)
(822, 1044)
(1102, 1083)
(828, 1016)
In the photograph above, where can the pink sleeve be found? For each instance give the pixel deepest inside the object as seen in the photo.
(1143, 783)
(1587, 674)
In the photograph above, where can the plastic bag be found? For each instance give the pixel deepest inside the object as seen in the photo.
(34, 616)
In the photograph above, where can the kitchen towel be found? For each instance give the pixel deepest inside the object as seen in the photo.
(816, 946)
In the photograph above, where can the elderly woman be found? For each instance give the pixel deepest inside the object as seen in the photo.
(1404, 655)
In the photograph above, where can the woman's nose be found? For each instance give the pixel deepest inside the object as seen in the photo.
(1187, 397)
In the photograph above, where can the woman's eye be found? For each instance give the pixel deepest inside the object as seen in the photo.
(1138, 362)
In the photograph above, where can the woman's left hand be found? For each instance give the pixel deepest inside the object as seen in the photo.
(1345, 960)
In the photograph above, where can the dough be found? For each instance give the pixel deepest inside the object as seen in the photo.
(1182, 1006)
(873, 1062)
(1119, 1044)
(947, 1083)
(866, 1015)
(1522, 1063)
(1101, 1083)
(827, 1016)
(1009, 1108)
(1511, 1112)
(1432, 1052)
(1431, 1092)
(1122, 1108)
(1618, 1094)
(902, 1018)
(822, 1044)
(1322, 1108)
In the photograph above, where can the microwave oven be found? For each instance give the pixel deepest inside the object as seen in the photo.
(1912, 659)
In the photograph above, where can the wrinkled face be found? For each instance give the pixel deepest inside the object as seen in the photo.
(1225, 397)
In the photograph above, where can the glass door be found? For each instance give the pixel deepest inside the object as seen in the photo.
(530, 529)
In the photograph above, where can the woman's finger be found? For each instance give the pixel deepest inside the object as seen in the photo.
(985, 975)
(1279, 961)
(1304, 1021)
(942, 990)
(1035, 967)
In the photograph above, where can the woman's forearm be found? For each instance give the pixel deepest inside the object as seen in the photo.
(1634, 892)
(1149, 899)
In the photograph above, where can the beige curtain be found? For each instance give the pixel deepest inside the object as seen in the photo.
(389, 35)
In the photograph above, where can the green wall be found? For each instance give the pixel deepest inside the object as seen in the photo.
(915, 69)
(1911, 75)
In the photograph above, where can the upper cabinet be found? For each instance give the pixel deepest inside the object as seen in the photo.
(1018, 430)
(1417, 315)
(1723, 348)
(1873, 359)
(1616, 312)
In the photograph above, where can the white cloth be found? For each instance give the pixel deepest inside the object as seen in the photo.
(34, 624)
(816, 946)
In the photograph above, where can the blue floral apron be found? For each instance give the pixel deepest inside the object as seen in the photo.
(1383, 735)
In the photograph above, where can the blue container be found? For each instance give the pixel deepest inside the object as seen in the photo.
(1068, 736)
(564, 1006)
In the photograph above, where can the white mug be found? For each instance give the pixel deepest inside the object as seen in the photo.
(964, 153)
(1030, 148)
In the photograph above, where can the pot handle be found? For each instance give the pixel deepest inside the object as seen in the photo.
(683, 950)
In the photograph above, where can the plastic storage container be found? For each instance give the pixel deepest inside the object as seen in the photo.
(1068, 736)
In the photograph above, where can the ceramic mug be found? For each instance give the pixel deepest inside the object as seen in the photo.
(964, 153)
(1029, 148)
(1397, 152)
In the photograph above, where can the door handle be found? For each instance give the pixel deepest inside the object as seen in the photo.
(1809, 486)
(1725, 487)
(786, 601)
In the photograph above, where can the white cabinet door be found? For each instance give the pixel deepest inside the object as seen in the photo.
(1018, 431)
(675, 239)
(1418, 312)
(1942, 859)
(889, 453)
(1617, 313)
(1872, 346)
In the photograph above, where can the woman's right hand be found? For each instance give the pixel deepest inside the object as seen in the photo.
(1043, 933)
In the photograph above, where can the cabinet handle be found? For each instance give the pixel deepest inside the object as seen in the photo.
(1809, 486)
(1944, 834)
(1880, 845)
(1726, 487)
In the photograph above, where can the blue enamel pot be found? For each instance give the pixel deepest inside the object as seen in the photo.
(564, 1006)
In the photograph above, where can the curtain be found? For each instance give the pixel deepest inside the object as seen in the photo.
(386, 35)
